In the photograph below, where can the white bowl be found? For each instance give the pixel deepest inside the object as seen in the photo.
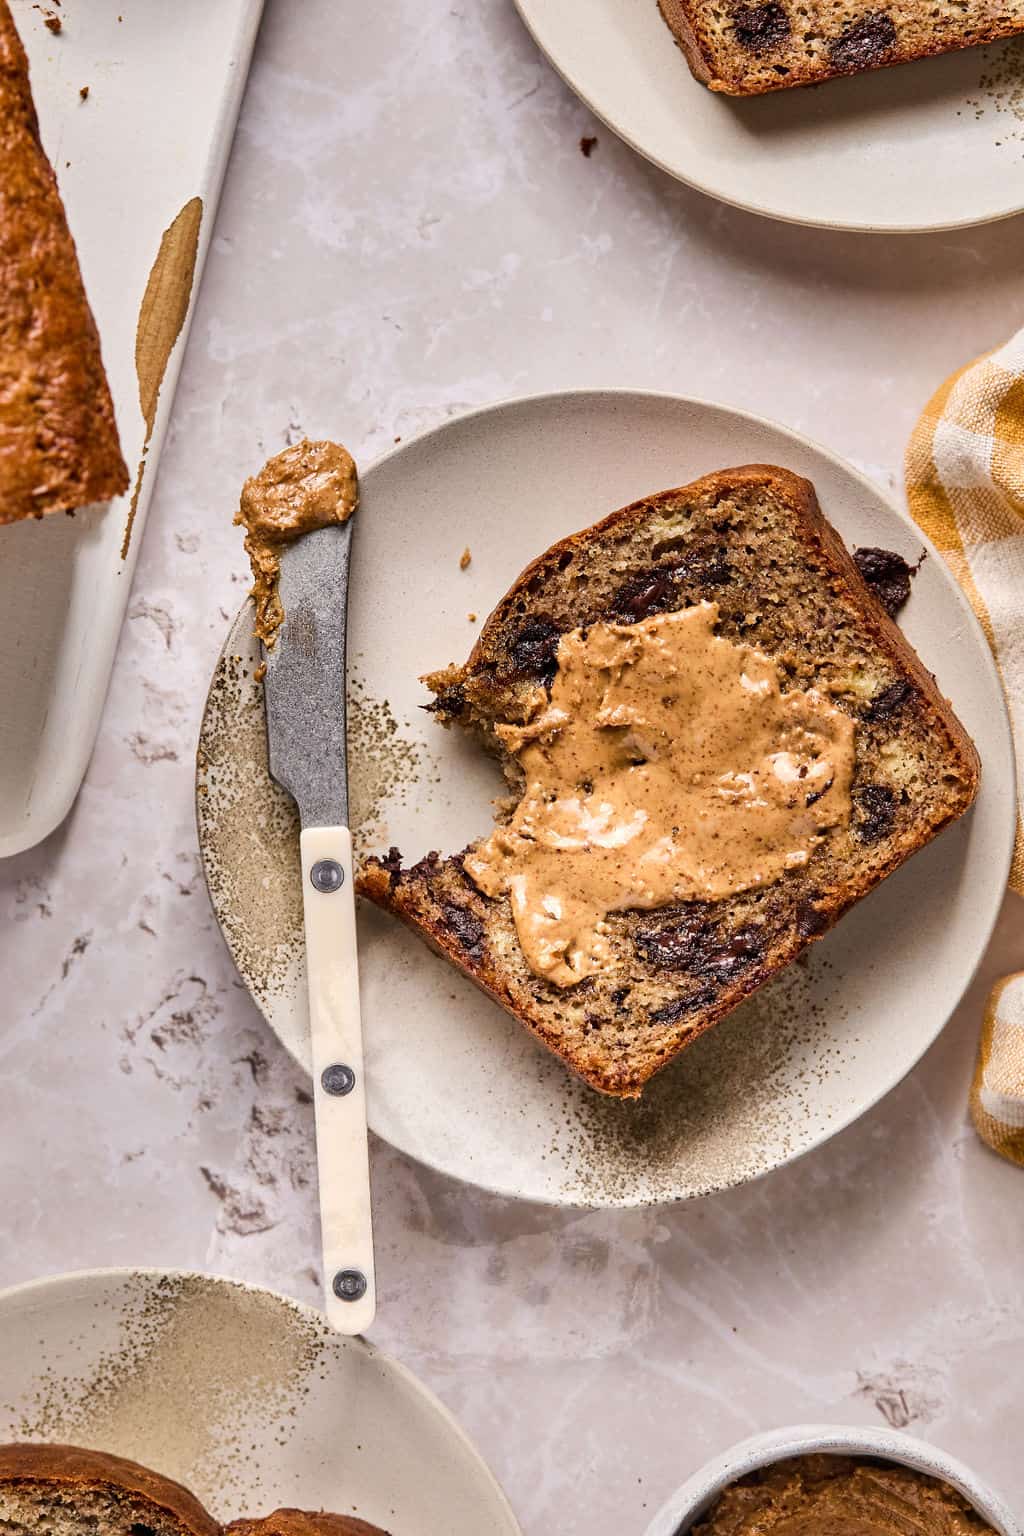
(693, 1500)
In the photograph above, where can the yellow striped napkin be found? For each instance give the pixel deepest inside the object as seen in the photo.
(965, 486)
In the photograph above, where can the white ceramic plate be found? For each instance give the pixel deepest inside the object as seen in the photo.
(923, 146)
(454, 1081)
(248, 1399)
(165, 83)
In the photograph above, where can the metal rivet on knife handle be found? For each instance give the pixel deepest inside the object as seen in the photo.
(327, 876)
(350, 1285)
(338, 1079)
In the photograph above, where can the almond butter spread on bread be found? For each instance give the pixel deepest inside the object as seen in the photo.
(59, 447)
(305, 487)
(841, 1496)
(667, 765)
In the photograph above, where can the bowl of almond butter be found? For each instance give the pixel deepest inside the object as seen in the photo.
(808, 1480)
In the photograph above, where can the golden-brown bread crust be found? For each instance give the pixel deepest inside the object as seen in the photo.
(412, 895)
(59, 447)
(874, 35)
(71, 1467)
(683, 30)
(299, 1522)
(801, 495)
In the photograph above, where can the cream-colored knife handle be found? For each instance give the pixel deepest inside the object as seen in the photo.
(339, 1084)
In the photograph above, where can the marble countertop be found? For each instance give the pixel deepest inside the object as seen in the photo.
(408, 229)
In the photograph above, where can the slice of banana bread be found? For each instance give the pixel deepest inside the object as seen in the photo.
(747, 47)
(754, 541)
(59, 1490)
(59, 447)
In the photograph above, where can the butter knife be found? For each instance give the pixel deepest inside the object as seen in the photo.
(304, 687)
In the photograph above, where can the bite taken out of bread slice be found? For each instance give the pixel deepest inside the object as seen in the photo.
(753, 542)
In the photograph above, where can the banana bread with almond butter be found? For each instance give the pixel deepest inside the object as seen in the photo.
(750, 548)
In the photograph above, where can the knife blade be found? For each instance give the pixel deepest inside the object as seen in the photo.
(304, 688)
(304, 684)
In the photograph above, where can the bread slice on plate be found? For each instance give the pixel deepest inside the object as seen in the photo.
(747, 552)
(60, 1490)
(747, 47)
(59, 446)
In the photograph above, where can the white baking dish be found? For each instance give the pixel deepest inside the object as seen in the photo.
(152, 137)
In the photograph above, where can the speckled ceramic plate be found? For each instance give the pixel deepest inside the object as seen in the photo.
(929, 145)
(453, 1080)
(248, 1399)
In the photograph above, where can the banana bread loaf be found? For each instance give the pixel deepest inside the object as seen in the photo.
(59, 447)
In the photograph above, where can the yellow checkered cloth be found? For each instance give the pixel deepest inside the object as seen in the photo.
(997, 1093)
(965, 486)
